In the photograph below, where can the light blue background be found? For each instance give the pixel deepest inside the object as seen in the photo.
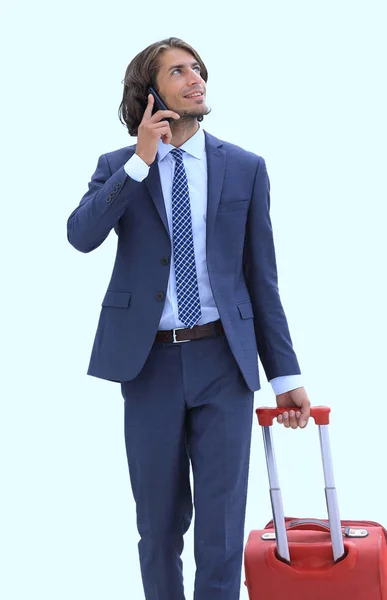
(303, 85)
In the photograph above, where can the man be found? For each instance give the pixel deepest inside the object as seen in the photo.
(192, 297)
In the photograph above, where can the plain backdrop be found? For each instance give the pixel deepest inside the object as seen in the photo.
(301, 83)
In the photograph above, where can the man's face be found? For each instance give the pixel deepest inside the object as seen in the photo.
(179, 77)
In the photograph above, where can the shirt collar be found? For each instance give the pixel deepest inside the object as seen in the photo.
(194, 146)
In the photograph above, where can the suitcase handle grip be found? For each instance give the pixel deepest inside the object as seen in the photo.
(317, 525)
(320, 414)
(310, 524)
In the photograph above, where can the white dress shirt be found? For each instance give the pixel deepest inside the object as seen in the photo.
(195, 163)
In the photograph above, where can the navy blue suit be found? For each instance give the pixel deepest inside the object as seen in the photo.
(189, 402)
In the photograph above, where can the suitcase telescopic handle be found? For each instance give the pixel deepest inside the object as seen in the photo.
(321, 416)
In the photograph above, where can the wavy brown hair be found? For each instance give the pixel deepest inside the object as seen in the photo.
(142, 72)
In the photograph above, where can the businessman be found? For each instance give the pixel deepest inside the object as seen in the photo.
(192, 301)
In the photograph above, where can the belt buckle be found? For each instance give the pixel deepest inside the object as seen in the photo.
(175, 341)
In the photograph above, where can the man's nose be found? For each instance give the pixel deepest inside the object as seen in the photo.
(193, 78)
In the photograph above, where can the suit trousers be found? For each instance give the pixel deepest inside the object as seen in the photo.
(189, 405)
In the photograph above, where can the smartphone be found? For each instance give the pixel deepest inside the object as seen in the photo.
(158, 104)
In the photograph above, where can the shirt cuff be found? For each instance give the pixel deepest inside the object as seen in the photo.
(136, 168)
(286, 383)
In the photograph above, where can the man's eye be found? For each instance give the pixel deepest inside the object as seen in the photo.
(179, 70)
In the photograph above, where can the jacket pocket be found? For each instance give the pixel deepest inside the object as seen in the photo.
(233, 205)
(245, 310)
(117, 299)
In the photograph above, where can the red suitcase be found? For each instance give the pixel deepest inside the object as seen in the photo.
(309, 559)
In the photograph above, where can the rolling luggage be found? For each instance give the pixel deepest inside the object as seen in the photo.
(310, 559)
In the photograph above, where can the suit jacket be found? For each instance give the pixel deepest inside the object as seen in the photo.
(240, 258)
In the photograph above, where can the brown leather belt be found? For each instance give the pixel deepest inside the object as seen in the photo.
(186, 334)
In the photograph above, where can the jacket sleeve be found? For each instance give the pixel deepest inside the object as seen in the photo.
(274, 343)
(101, 207)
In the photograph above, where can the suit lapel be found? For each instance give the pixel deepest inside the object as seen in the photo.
(153, 183)
(216, 163)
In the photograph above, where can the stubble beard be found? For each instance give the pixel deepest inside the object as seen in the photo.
(189, 116)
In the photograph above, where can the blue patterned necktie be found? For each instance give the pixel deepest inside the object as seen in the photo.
(188, 300)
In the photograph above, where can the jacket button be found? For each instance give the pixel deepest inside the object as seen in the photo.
(165, 260)
(160, 296)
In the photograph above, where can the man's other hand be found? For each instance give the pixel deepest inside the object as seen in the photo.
(300, 415)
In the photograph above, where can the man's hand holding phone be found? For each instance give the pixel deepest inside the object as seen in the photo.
(151, 129)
